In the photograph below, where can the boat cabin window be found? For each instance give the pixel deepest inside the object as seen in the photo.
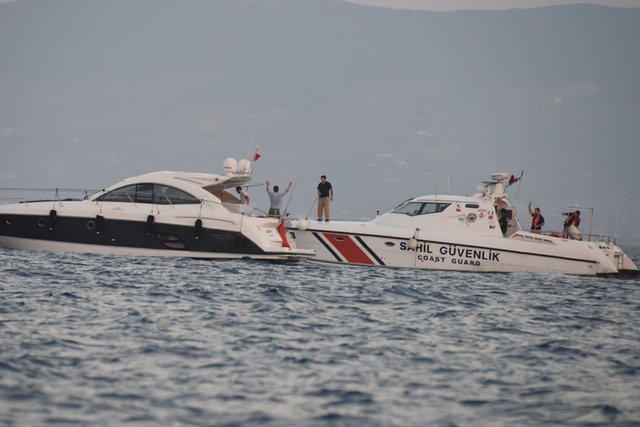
(149, 193)
(420, 208)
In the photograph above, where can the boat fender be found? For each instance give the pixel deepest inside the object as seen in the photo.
(303, 224)
(413, 243)
(198, 228)
(100, 223)
(52, 218)
(150, 224)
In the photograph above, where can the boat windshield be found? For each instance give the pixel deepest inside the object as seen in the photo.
(149, 193)
(420, 208)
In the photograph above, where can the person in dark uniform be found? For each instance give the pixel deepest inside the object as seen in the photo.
(325, 196)
(504, 220)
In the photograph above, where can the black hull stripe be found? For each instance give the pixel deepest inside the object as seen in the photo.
(372, 253)
(129, 233)
(327, 247)
(462, 245)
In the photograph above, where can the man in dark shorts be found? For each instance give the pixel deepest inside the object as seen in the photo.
(325, 196)
(275, 197)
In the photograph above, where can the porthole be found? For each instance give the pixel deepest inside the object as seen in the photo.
(42, 222)
(8, 221)
(340, 239)
(389, 243)
(91, 225)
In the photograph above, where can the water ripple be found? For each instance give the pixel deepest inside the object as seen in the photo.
(104, 340)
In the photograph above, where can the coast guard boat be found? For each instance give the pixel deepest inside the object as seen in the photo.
(458, 233)
(170, 214)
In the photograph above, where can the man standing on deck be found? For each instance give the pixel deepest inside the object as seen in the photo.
(276, 198)
(325, 196)
(571, 225)
(537, 220)
(244, 197)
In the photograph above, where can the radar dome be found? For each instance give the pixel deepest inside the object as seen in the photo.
(230, 166)
(244, 166)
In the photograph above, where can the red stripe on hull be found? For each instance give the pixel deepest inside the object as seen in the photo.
(348, 248)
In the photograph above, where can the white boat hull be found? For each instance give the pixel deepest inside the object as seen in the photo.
(340, 242)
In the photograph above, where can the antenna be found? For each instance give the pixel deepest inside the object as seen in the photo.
(518, 190)
(533, 131)
(528, 146)
(253, 137)
(290, 197)
(253, 156)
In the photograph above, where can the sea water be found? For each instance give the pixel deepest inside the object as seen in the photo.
(101, 340)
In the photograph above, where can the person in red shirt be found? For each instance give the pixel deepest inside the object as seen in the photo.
(537, 220)
(573, 219)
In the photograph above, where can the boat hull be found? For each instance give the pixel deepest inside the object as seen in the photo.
(345, 244)
(143, 237)
(56, 246)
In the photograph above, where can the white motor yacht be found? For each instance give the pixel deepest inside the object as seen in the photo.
(170, 214)
(447, 232)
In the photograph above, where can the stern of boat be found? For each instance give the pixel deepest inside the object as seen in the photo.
(271, 236)
(627, 269)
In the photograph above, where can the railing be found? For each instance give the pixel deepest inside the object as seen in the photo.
(599, 238)
(24, 195)
(57, 195)
(589, 237)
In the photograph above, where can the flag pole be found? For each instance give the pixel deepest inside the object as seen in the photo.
(254, 158)
(518, 190)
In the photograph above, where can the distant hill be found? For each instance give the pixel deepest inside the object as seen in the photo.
(330, 41)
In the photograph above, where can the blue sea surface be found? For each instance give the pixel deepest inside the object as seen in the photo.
(104, 340)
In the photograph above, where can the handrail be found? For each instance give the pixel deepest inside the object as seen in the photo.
(589, 237)
(12, 194)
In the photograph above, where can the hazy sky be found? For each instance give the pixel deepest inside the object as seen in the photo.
(443, 5)
(477, 4)
(387, 105)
